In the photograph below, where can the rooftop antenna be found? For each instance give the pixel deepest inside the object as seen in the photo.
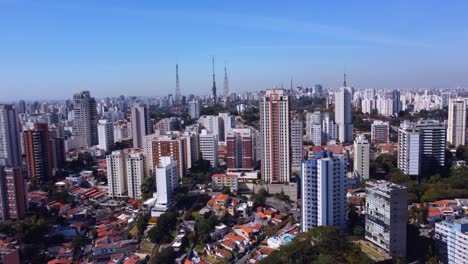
(177, 92)
(214, 84)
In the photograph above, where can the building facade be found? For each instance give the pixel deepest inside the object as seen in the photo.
(451, 238)
(10, 143)
(141, 124)
(85, 119)
(456, 131)
(361, 158)
(240, 143)
(386, 216)
(12, 194)
(105, 134)
(209, 147)
(38, 150)
(323, 190)
(167, 181)
(344, 114)
(116, 174)
(275, 136)
(380, 132)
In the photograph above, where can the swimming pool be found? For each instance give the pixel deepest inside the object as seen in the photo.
(288, 238)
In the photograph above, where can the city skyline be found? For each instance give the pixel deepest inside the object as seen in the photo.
(123, 49)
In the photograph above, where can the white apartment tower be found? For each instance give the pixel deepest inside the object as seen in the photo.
(361, 157)
(323, 190)
(141, 124)
(167, 181)
(275, 136)
(105, 134)
(344, 114)
(10, 146)
(386, 216)
(135, 165)
(116, 174)
(456, 132)
(194, 109)
(209, 147)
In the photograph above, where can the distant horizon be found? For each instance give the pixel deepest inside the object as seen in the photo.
(53, 48)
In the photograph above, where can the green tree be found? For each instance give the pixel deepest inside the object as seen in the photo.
(148, 187)
(142, 223)
(165, 256)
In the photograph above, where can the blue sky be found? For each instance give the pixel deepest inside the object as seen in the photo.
(50, 49)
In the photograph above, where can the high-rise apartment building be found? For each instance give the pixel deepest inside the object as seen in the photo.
(116, 174)
(105, 134)
(135, 166)
(380, 132)
(456, 132)
(323, 190)
(38, 150)
(12, 194)
(167, 181)
(194, 109)
(328, 128)
(297, 138)
(421, 146)
(344, 114)
(361, 157)
(275, 136)
(85, 119)
(10, 143)
(241, 152)
(209, 147)
(173, 146)
(451, 237)
(386, 216)
(141, 124)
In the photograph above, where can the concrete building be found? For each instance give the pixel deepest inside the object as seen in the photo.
(344, 114)
(135, 166)
(38, 150)
(386, 216)
(421, 146)
(323, 200)
(209, 147)
(167, 181)
(105, 134)
(213, 124)
(456, 132)
(218, 181)
(297, 138)
(116, 174)
(361, 158)
(329, 129)
(194, 109)
(275, 136)
(380, 132)
(12, 194)
(451, 238)
(85, 119)
(241, 152)
(141, 124)
(10, 143)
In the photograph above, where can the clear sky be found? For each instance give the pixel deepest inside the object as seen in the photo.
(50, 49)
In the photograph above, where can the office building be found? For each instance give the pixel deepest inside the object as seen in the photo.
(323, 190)
(85, 119)
(116, 174)
(105, 134)
(141, 124)
(209, 147)
(451, 237)
(167, 181)
(380, 132)
(10, 143)
(241, 152)
(344, 114)
(386, 216)
(275, 136)
(194, 109)
(456, 132)
(297, 139)
(361, 158)
(12, 194)
(135, 166)
(39, 154)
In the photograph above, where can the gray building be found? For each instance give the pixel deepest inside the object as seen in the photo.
(10, 146)
(296, 142)
(386, 216)
(85, 119)
(141, 124)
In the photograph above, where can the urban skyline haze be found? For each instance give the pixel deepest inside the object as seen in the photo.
(51, 49)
